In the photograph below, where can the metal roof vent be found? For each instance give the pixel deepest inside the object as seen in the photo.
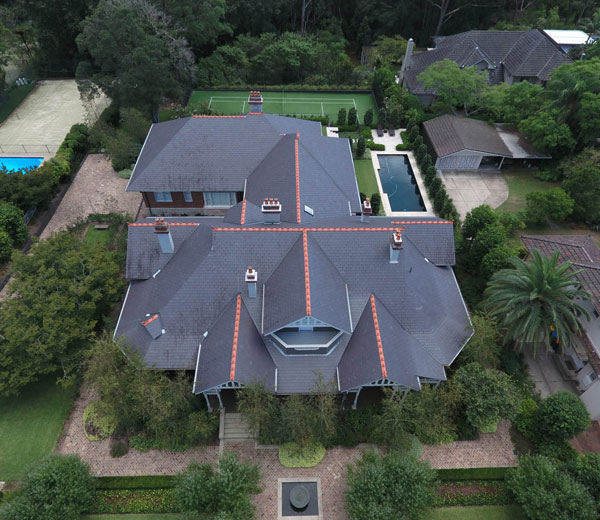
(395, 247)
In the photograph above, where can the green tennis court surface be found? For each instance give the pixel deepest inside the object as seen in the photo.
(288, 103)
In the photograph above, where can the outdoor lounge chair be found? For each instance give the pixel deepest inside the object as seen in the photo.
(379, 131)
(392, 132)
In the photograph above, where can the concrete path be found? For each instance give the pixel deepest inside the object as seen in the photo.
(470, 189)
(40, 123)
(546, 376)
(96, 189)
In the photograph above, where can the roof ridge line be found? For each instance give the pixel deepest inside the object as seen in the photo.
(306, 272)
(297, 168)
(378, 337)
(311, 229)
(236, 331)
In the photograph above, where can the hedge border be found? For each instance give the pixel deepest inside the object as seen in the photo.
(473, 473)
(136, 482)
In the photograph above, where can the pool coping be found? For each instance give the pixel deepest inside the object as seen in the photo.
(417, 173)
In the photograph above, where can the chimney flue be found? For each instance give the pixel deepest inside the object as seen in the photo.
(165, 240)
(406, 62)
(251, 279)
(255, 102)
(271, 209)
(395, 247)
(367, 210)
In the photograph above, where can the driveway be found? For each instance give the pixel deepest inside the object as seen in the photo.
(40, 123)
(546, 376)
(470, 189)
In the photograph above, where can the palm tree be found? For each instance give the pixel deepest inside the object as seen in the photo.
(533, 298)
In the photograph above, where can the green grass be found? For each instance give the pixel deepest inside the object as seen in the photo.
(367, 183)
(165, 114)
(100, 236)
(290, 103)
(520, 183)
(167, 516)
(14, 97)
(30, 425)
(477, 513)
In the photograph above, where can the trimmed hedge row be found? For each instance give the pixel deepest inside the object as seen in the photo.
(138, 482)
(472, 474)
(473, 493)
(122, 501)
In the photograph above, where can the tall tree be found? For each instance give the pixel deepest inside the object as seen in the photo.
(532, 299)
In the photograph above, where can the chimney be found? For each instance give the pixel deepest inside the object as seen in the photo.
(255, 102)
(406, 62)
(367, 211)
(161, 229)
(395, 247)
(251, 279)
(271, 209)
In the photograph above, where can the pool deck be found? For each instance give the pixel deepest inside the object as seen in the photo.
(390, 149)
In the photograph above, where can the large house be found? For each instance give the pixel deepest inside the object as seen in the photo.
(461, 143)
(581, 360)
(507, 56)
(292, 283)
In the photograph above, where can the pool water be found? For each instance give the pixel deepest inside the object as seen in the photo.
(399, 183)
(13, 164)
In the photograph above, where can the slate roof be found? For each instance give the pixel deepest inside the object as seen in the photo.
(449, 134)
(262, 154)
(197, 285)
(579, 249)
(522, 53)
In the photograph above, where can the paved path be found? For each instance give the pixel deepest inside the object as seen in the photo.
(546, 376)
(470, 189)
(96, 189)
(40, 123)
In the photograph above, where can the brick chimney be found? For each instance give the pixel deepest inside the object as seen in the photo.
(165, 240)
(367, 211)
(255, 102)
(271, 209)
(395, 247)
(251, 279)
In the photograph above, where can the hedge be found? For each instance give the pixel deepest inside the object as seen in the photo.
(472, 473)
(138, 482)
(14, 97)
(403, 147)
(122, 501)
(489, 493)
(375, 146)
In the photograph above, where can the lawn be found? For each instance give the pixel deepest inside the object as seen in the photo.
(168, 516)
(288, 103)
(520, 183)
(13, 99)
(367, 183)
(30, 425)
(477, 513)
(100, 236)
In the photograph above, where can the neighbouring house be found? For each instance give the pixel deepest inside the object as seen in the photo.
(580, 361)
(461, 143)
(507, 56)
(567, 39)
(289, 286)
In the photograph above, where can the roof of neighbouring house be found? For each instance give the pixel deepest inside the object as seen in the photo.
(579, 249)
(568, 37)
(449, 134)
(330, 270)
(263, 155)
(522, 53)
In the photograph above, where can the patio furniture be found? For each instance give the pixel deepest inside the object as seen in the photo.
(379, 131)
(392, 132)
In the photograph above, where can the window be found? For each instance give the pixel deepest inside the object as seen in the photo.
(219, 198)
(187, 196)
(162, 196)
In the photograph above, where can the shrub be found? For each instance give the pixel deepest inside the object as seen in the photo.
(403, 147)
(560, 451)
(375, 203)
(118, 448)
(97, 426)
(368, 119)
(125, 501)
(365, 132)
(35, 189)
(585, 469)
(136, 482)
(439, 199)
(421, 152)
(434, 187)
(348, 128)
(11, 221)
(553, 204)
(6, 245)
(429, 175)
(524, 421)
(426, 162)
(360, 148)
(496, 259)
(258, 406)
(413, 134)
(352, 119)
(561, 416)
(375, 146)
(417, 142)
(225, 490)
(545, 493)
(125, 174)
(341, 118)
(449, 211)
(380, 488)
(293, 455)
(56, 488)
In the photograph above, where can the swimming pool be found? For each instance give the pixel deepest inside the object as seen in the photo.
(13, 164)
(399, 183)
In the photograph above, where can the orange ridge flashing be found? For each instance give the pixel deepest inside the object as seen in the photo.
(378, 336)
(243, 217)
(150, 320)
(151, 224)
(425, 222)
(306, 272)
(236, 331)
(302, 230)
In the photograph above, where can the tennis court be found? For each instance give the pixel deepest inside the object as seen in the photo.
(323, 104)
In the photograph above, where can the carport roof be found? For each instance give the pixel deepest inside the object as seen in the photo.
(449, 134)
